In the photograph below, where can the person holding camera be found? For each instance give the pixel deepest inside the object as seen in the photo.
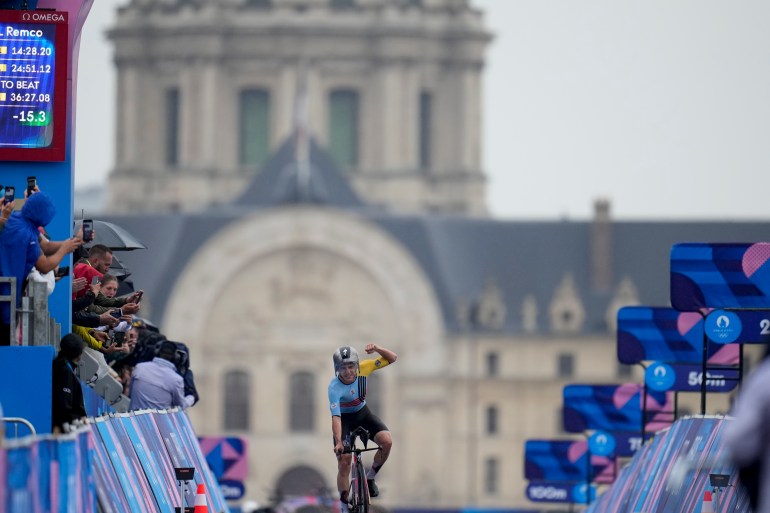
(5, 213)
(156, 384)
(106, 300)
(21, 250)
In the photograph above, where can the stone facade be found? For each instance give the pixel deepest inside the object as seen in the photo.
(415, 69)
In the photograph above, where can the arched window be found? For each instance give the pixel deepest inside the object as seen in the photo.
(301, 480)
(237, 400)
(343, 127)
(302, 402)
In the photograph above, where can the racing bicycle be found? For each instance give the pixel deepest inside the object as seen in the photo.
(358, 494)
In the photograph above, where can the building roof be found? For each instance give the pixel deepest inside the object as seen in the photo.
(459, 255)
(281, 181)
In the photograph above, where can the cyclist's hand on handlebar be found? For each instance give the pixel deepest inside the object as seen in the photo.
(338, 448)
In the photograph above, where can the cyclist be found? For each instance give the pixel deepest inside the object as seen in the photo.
(347, 401)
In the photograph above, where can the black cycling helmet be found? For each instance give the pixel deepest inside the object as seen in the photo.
(345, 354)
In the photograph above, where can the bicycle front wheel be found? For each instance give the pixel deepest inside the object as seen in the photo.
(362, 491)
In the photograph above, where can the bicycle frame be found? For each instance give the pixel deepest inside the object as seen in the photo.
(358, 491)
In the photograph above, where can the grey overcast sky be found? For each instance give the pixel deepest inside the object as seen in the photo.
(662, 107)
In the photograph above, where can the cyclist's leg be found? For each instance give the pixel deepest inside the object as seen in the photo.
(343, 475)
(343, 465)
(381, 437)
(385, 441)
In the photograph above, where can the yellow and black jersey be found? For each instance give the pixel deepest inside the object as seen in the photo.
(352, 397)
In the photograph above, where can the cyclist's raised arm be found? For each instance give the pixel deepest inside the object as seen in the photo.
(389, 355)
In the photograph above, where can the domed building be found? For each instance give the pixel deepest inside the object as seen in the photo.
(307, 174)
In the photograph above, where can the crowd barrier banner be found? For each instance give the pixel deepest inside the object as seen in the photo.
(718, 275)
(663, 334)
(135, 438)
(671, 472)
(615, 408)
(95, 404)
(164, 467)
(109, 490)
(128, 471)
(124, 460)
(135, 456)
(214, 497)
(47, 475)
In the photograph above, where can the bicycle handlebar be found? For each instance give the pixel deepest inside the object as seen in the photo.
(351, 449)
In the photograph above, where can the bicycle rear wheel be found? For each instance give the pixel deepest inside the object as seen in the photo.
(362, 490)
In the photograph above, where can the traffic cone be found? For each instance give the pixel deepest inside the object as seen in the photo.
(200, 500)
(707, 507)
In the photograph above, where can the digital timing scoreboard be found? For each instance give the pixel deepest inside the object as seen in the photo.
(33, 85)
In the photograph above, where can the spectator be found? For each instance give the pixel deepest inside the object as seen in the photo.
(5, 212)
(122, 365)
(98, 262)
(105, 299)
(67, 399)
(109, 286)
(21, 249)
(747, 436)
(156, 384)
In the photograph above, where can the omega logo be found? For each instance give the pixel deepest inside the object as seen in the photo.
(42, 16)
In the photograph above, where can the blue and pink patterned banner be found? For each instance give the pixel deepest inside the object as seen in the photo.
(615, 408)
(663, 334)
(227, 458)
(713, 275)
(565, 460)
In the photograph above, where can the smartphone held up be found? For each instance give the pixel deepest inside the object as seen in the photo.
(10, 194)
(88, 230)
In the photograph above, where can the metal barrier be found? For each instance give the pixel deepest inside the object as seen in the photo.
(18, 420)
(12, 299)
(38, 328)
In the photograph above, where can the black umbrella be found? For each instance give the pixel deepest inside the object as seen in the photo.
(118, 269)
(114, 237)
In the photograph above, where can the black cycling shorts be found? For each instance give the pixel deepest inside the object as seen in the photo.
(364, 418)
